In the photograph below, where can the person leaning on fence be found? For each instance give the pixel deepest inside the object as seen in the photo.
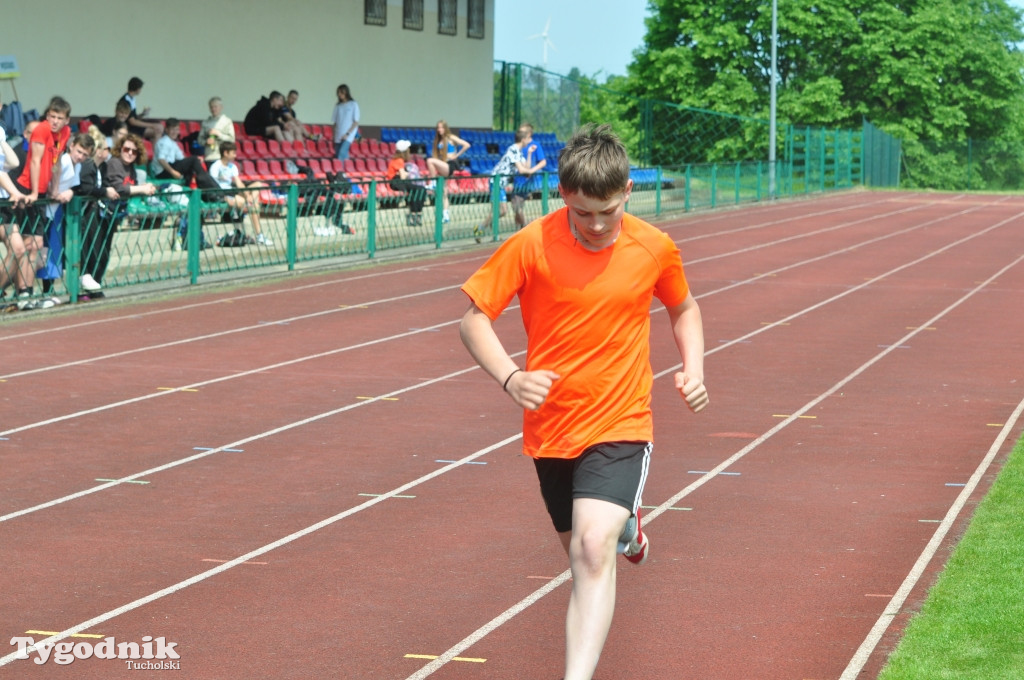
(79, 149)
(400, 177)
(236, 193)
(24, 236)
(511, 162)
(585, 276)
(9, 162)
(96, 232)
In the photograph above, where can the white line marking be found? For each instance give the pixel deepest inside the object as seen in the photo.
(863, 653)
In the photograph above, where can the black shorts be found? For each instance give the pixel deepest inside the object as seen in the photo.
(31, 220)
(610, 471)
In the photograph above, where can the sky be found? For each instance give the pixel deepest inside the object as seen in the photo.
(596, 36)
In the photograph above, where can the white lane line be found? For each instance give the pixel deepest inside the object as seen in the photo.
(523, 604)
(863, 653)
(243, 374)
(95, 621)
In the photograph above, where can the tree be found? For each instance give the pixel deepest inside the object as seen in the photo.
(936, 70)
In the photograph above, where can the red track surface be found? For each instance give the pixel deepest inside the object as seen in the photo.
(863, 363)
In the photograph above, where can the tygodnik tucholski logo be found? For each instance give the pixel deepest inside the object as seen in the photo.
(151, 654)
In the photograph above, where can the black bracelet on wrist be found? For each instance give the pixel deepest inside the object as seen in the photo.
(505, 386)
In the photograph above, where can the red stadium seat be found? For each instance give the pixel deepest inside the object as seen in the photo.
(246, 149)
(261, 148)
(300, 150)
(274, 149)
(247, 171)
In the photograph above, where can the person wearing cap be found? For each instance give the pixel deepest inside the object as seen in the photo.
(401, 176)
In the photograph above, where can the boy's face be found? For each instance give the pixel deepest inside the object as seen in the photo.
(56, 120)
(228, 156)
(596, 221)
(292, 98)
(172, 131)
(78, 154)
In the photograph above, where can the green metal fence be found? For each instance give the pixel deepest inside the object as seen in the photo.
(686, 159)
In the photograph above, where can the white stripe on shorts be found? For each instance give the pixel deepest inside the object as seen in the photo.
(644, 469)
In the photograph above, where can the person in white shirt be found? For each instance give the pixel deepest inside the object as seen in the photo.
(235, 192)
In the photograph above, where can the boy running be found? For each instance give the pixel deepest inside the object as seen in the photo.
(585, 276)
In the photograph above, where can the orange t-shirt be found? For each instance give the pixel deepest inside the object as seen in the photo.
(587, 318)
(53, 147)
(394, 167)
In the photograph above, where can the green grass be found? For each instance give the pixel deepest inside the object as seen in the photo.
(971, 626)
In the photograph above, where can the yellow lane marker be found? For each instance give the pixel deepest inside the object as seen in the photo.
(994, 424)
(434, 656)
(55, 632)
(378, 495)
(130, 481)
(780, 415)
(922, 328)
(381, 398)
(208, 559)
(179, 389)
(774, 323)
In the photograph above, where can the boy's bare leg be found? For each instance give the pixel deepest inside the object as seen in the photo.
(253, 199)
(596, 525)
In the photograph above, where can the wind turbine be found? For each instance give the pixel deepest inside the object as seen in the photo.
(547, 41)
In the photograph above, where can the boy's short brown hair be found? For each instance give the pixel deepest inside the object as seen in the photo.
(227, 146)
(594, 162)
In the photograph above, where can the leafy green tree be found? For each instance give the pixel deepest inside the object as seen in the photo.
(936, 71)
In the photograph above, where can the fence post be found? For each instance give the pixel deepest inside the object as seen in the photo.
(439, 211)
(758, 191)
(714, 185)
(496, 183)
(969, 150)
(544, 196)
(736, 188)
(689, 181)
(291, 226)
(371, 220)
(657, 191)
(73, 247)
(194, 233)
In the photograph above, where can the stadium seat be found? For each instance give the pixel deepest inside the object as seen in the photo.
(247, 171)
(261, 148)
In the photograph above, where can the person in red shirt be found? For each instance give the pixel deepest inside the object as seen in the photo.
(37, 179)
(585, 277)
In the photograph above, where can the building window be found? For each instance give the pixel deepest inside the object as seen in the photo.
(475, 26)
(376, 12)
(447, 17)
(412, 15)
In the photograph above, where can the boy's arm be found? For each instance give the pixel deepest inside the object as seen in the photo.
(688, 331)
(528, 389)
(34, 166)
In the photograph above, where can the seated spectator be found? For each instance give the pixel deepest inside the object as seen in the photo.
(137, 123)
(240, 196)
(97, 225)
(444, 151)
(264, 119)
(401, 176)
(170, 162)
(215, 130)
(511, 163)
(292, 123)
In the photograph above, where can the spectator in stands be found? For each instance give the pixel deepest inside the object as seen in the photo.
(240, 196)
(137, 123)
(24, 236)
(119, 173)
(346, 122)
(79, 149)
(216, 129)
(292, 124)
(264, 119)
(444, 154)
(97, 227)
(9, 163)
(533, 155)
(511, 163)
(402, 176)
(170, 161)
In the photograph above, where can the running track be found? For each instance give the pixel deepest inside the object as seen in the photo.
(281, 505)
